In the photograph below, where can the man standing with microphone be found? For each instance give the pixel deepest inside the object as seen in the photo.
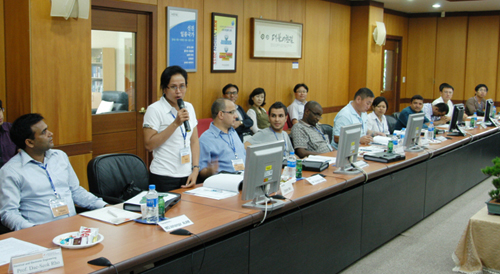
(170, 132)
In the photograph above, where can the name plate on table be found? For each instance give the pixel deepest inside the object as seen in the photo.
(315, 179)
(175, 223)
(286, 187)
(36, 262)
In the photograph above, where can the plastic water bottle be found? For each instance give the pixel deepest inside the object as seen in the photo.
(473, 121)
(395, 142)
(390, 144)
(493, 112)
(430, 129)
(291, 164)
(152, 205)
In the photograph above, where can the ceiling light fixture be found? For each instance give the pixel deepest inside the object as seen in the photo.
(436, 6)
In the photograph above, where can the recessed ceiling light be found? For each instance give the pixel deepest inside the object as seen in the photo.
(436, 6)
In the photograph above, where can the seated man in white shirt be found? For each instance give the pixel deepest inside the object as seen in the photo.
(38, 185)
(435, 113)
(277, 118)
(296, 109)
(446, 91)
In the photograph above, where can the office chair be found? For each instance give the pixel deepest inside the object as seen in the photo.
(120, 99)
(328, 129)
(391, 122)
(117, 177)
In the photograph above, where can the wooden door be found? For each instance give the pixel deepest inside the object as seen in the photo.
(120, 130)
(391, 59)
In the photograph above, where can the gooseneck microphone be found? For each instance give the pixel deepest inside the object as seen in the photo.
(180, 103)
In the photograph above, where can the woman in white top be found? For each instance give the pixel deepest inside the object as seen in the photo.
(376, 121)
(256, 112)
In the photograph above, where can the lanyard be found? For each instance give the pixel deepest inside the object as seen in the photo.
(480, 104)
(230, 143)
(44, 167)
(323, 135)
(286, 146)
(184, 134)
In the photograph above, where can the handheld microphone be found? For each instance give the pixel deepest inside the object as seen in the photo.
(180, 103)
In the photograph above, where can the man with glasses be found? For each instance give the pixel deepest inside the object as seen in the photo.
(355, 113)
(307, 136)
(7, 148)
(296, 109)
(243, 121)
(220, 147)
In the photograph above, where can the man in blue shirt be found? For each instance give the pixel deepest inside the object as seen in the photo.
(355, 113)
(416, 106)
(38, 185)
(220, 147)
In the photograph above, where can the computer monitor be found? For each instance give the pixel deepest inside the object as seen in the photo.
(460, 118)
(412, 133)
(262, 175)
(458, 114)
(488, 120)
(347, 152)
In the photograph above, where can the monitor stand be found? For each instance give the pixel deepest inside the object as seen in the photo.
(415, 148)
(348, 171)
(261, 201)
(459, 132)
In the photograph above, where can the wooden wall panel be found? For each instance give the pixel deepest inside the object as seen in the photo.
(114, 142)
(257, 72)
(17, 59)
(79, 163)
(338, 63)
(358, 48)
(60, 73)
(451, 45)
(213, 82)
(374, 57)
(317, 51)
(195, 79)
(398, 26)
(286, 77)
(421, 56)
(482, 54)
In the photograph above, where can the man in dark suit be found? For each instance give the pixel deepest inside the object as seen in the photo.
(243, 122)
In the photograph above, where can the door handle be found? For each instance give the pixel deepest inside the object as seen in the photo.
(142, 111)
(382, 91)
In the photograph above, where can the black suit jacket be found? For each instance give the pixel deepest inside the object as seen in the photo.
(247, 123)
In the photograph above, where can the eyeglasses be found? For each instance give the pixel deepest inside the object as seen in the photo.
(317, 114)
(232, 112)
(175, 88)
(231, 93)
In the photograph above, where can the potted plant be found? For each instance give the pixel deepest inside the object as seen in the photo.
(494, 203)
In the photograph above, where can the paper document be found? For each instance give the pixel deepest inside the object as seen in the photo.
(11, 247)
(211, 193)
(136, 200)
(111, 215)
(316, 158)
(381, 140)
(229, 182)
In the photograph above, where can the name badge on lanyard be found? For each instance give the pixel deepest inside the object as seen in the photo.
(238, 164)
(58, 207)
(184, 153)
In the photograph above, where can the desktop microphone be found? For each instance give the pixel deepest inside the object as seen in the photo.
(180, 103)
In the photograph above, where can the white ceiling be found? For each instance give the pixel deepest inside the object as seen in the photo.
(418, 6)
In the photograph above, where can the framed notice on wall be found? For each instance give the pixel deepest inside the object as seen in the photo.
(182, 36)
(224, 36)
(276, 39)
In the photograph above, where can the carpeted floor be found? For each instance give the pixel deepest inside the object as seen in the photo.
(427, 246)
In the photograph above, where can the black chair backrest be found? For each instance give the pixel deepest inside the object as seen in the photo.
(328, 129)
(110, 174)
(391, 122)
(120, 99)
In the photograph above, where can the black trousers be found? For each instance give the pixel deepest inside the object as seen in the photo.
(166, 183)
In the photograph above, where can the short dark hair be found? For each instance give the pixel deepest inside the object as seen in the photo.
(1, 105)
(257, 91)
(445, 85)
(364, 93)
(218, 106)
(416, 97)
(297, 86)
(168, 73)
(21, 129)
(226, 87)
(278, 105)
(379, 100)
(442, 107)
(309, 105)
(476, 89)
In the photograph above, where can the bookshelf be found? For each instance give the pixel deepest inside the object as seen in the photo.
(103, 69)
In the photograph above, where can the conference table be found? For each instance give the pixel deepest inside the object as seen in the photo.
(323, 229)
